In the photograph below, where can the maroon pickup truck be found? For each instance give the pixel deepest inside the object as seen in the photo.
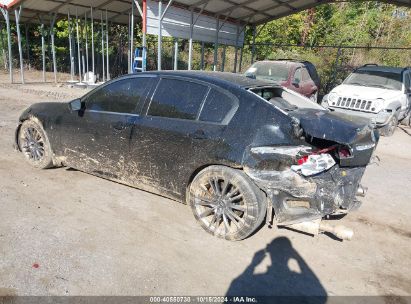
(299, 76)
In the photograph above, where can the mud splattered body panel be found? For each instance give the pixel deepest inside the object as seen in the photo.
(161, 152)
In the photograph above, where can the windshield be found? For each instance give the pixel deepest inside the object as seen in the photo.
(285, 100)
(275, 71)
(378, 79)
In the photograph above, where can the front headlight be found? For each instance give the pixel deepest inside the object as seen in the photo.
(332, 98)
(377, 105)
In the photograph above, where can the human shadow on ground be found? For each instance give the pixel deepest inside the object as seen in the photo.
(279, 280)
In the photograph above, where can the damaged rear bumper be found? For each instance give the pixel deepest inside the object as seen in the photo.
(296, 198)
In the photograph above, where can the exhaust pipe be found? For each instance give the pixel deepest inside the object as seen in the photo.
(317, 226)
(361, 191)
(340, 231)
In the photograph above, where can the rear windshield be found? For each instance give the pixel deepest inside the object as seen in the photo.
(286, 101)
(378, 79)
(274, 71)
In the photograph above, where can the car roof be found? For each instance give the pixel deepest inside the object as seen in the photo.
(285, 62)
(217, 78)
(378, 68)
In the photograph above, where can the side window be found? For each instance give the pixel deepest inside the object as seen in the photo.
(297, 75)
(218, 107)
(122, 96)
(176, 98)
(305, 75)
(407, 82)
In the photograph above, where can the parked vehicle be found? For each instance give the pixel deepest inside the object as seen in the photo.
(299, 76)
(233, 148)
(379, 93)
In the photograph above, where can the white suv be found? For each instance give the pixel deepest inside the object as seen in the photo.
(382, 94)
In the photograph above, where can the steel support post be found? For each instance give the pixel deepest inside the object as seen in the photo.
(253, 46)
(144, 16)
(159, 46)
(236, 49)
(53, 47)
(92, 41)
(132, 38)
(70, 30)
(202, 55)
(43, 51)
(102, 46)
(175, 54)
(223, 59)
(217, 29)
(17, 13)
(190, 43)
(128, 45)
(241, 59)
(107, 54)
(26, 27)
(7, 18)
(86, 29)
(78, 50)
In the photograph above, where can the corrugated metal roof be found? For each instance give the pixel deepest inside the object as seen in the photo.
(243, 11)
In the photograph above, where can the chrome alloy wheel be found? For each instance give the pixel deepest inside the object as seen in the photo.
(32, 144)
(220, 206)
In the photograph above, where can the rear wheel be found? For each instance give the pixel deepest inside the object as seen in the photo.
(389, 128)
(34, 144)
(226, 203)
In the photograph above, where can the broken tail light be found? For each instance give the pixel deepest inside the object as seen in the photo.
(344, 153)
(315, 162)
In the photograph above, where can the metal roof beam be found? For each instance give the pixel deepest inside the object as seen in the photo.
(270, 7)
(237, 5)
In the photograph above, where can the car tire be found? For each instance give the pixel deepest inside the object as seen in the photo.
(407, 120)
(226, 203)
(33, 142)
(389, 128)
(314, 97)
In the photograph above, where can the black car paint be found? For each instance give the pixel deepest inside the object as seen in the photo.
(162, 155)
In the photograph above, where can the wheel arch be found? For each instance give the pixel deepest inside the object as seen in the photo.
(24, 117)
(201, 168)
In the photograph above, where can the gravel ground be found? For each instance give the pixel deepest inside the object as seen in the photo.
(64, 232)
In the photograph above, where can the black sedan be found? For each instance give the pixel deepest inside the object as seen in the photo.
(237, 150)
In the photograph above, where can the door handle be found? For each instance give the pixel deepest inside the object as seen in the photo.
(199, 134)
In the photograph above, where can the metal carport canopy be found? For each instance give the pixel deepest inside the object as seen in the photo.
(251, 12)
(240, 12)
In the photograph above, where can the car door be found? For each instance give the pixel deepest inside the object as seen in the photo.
(308, 85)
(169, 143)
(296, 83)
(98, 135)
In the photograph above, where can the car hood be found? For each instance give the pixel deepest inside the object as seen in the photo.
(332, 126)
(43, 110)
(362, 92)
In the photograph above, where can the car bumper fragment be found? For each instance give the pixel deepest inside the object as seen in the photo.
(296, 198)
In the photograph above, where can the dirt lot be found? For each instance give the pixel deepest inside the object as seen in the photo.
(64, 232)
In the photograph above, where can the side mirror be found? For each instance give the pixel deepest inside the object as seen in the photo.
(75, 105)
(250, 75)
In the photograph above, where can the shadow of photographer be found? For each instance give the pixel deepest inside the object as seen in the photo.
(279, 279)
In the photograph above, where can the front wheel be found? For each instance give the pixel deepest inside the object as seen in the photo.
(389, 128)
(34, 144)
(226, 203)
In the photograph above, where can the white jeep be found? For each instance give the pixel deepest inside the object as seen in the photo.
(382, 94)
